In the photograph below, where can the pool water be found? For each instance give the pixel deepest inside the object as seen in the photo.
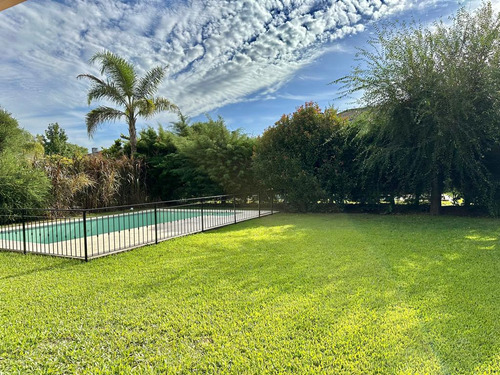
(70, 229)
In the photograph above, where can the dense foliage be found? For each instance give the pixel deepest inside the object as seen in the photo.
(21, 185)
(435, 97)
(204, 158)
(223, 155)
(55, 142)
(92, 181)
(302, 157)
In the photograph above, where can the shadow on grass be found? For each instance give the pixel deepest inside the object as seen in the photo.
(16, 265)
(379, 294)
(454, 285)
(441, 275)
(483, 240)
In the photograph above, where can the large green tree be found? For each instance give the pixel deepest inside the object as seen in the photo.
(121, 86)
(55, 142)
(435, 93)
(302, 157)
(205, 158)
(222, 154)
(21, 184)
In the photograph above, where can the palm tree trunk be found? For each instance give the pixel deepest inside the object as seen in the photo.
(133, 137)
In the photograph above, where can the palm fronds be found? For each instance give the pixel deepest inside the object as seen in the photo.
(103, 90)
(148, 85)
(118, 70)
(122, 87)
(163, 104)
(150, 107)
(99, 115)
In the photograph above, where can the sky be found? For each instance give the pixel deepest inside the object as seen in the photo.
(249, 61)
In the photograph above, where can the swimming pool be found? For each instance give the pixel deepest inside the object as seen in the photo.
(71, 228)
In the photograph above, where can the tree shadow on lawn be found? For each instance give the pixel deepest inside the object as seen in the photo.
(384, 308)
(389, 301)
(444, 292)
(455, 287)
(14, 265)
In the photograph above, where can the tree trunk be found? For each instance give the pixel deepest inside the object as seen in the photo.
(133, 137)
(466, 201)
(392, 203)
(416, 201)
(133, 150)
(436, 192)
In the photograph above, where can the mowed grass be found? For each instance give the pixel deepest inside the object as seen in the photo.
(339, 294)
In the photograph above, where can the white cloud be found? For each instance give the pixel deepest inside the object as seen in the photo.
(218, 51)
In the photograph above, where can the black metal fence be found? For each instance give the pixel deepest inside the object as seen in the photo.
(91, 233)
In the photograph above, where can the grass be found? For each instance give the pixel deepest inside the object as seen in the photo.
(353, 294)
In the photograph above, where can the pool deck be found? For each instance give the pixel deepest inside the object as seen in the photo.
(124, 240)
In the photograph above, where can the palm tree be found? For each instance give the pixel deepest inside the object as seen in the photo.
(134, 95)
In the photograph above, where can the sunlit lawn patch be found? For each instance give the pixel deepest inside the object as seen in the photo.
(288, 293)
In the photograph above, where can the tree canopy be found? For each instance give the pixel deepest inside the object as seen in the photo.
(435, 95)
(133, 95)
(22, 185)
(55, 142)
(299, 158)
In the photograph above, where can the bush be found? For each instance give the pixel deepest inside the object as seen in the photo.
(21, 184)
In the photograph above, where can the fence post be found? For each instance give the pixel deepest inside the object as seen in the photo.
(202, 226)
(85, 235)
(24, 231)
(272, 203)
(234, 207)
(258, 197)
(156, 224)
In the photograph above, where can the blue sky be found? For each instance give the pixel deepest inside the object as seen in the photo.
(249, 61)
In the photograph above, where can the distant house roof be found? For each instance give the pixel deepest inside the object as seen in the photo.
(4, 4)
(351, 114)
(95, 151)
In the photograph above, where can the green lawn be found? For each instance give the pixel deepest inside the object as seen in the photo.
(353, 294)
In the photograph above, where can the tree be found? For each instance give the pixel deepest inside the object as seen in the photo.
(115, 150)
(374, 176)
(159, 151)
(11, 135)
(22, 185)
(181, 126)
(301, 157)
(224, 155)
(134, 95)
(435, 94)
(55, 142)
(205, 158)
